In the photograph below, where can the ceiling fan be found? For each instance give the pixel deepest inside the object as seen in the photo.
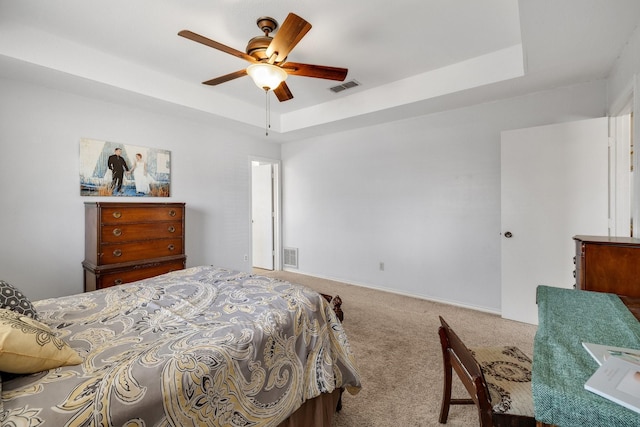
(268, 56)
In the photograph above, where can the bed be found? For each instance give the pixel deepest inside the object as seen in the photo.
(203, 346)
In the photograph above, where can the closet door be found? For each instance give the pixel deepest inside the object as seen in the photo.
(554, 182)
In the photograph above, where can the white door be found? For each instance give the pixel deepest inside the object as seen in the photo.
(554, 183)
(262, 215)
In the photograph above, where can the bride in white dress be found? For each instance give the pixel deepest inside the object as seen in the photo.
(140, 175)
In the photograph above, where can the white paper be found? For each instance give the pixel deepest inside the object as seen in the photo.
(619, 381)
(602, 352)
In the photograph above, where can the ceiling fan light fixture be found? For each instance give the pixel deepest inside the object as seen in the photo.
(266, 76)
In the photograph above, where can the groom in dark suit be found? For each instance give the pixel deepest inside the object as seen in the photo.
(118, 166)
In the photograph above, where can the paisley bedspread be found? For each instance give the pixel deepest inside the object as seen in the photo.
(197, 347)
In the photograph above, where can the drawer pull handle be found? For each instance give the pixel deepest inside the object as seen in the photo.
(172, 212)
(118, 282)
(172, 229)
(171, 247)
(117, 214)
(117, 253)
(117, 232)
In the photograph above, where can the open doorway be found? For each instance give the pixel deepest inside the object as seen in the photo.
(621, 174)
(265, 214)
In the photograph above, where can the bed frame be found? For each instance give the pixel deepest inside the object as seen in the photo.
(336, 304)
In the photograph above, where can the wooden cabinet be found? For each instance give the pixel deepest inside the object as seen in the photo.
(125, 242)
(608, 264)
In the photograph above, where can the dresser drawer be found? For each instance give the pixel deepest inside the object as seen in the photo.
(113, 233)
(122, 214)
(140, 272)
(125, 252)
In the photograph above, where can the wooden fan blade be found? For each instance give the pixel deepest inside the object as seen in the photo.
(282, 92)
(226, 78)
(290, 33)
(317, 71)
(214, 44)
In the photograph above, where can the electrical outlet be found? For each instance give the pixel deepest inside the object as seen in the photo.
(381, 266)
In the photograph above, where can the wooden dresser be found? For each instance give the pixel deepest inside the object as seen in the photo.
(608, 264)
(125, 242)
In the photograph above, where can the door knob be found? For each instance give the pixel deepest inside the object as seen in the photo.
(508, 235)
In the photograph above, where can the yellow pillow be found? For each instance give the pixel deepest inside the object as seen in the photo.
(28, 346)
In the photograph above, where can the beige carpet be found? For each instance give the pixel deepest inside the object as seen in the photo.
(395, 340)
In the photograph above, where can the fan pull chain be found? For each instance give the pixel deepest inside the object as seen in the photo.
(267, 124)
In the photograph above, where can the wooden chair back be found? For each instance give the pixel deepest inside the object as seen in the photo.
(458, 357)
(516, 389)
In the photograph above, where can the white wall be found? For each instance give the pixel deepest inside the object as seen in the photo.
(421, 195)
(620, 82)
(42, 213)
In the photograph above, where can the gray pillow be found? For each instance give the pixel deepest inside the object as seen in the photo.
(12, 299)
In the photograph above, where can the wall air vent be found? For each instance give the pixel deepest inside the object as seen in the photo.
(344, 86)
(290, 257)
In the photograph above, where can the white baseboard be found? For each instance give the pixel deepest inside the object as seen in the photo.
(394, 291)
